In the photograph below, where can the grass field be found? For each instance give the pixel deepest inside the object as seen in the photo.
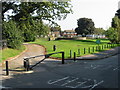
(67, 45)
(7, 53)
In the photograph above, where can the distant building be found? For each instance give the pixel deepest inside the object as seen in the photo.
(95, 36)
(69, 33)
(56, 33)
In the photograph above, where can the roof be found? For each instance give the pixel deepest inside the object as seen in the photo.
(69, 31)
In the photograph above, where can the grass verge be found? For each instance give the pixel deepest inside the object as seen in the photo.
(73, 45)
(8, 52)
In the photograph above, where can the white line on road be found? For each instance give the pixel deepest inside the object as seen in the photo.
(70, 81)
(96, 84)
(116, 68)
(49, 82)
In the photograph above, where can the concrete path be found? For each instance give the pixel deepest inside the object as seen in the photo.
(16, 62)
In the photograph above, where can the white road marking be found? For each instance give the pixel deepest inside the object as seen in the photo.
(66, 81)
(80, 84)
(70, 81)
(96, 84)
(116, 68)
(49, 82)
(87, 86)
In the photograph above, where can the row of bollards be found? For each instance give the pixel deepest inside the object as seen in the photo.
(98, 48)
(92, 49)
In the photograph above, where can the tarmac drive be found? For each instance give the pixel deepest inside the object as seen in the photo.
(80, 74)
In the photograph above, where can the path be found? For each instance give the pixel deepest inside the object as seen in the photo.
(32, 50)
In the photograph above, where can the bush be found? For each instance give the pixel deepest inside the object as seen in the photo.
(112, 35)
(12, 34)
(29, 36)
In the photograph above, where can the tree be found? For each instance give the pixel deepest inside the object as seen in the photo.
(85, 26)
(113, 33)
(43, 10)
(118, 13)
(55, 28)
(98, 31)
(12, 34)
(29, 16)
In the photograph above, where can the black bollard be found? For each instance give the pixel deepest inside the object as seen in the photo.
(54, 47)
(7, 69)
(84, 50)
(63, 58)
(26, 64)
(93, 49)
(74, 56)
(99, 48)
(78, 51)
(89, 50)
(70, 54)
(96, 48)
(102, 47)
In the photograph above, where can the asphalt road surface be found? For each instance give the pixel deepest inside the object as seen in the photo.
(81, 74)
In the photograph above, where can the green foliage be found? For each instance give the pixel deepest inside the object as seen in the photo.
(45, 10)
(118, 13)
(12, 34)
(113, 33)
(28, 31)
(116, 22)
(85, 26)
(8, 52)
(55, 28)
(99, 31)
(40, 28)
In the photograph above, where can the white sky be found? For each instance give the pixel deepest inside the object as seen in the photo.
(100, 11)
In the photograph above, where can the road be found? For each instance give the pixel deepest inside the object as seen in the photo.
(80, 74)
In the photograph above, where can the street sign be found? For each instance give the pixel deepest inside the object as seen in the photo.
(98, 41)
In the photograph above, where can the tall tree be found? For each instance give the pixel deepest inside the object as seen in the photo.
(113, 33)
(118, 13)
(55, 28)
(85, 26)
(30, 15)
(43, 10)
(99, 31)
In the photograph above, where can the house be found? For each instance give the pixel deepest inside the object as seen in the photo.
(69, 33)
(95, 36)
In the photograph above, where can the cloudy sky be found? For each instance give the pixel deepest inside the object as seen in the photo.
(100, 11)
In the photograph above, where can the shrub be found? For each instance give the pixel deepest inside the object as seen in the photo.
(12, 34)
(112, 35)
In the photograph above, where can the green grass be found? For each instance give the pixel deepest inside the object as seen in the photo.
(7, 53)
(67, 45)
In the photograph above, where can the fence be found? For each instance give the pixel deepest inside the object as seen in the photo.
(27, 65)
